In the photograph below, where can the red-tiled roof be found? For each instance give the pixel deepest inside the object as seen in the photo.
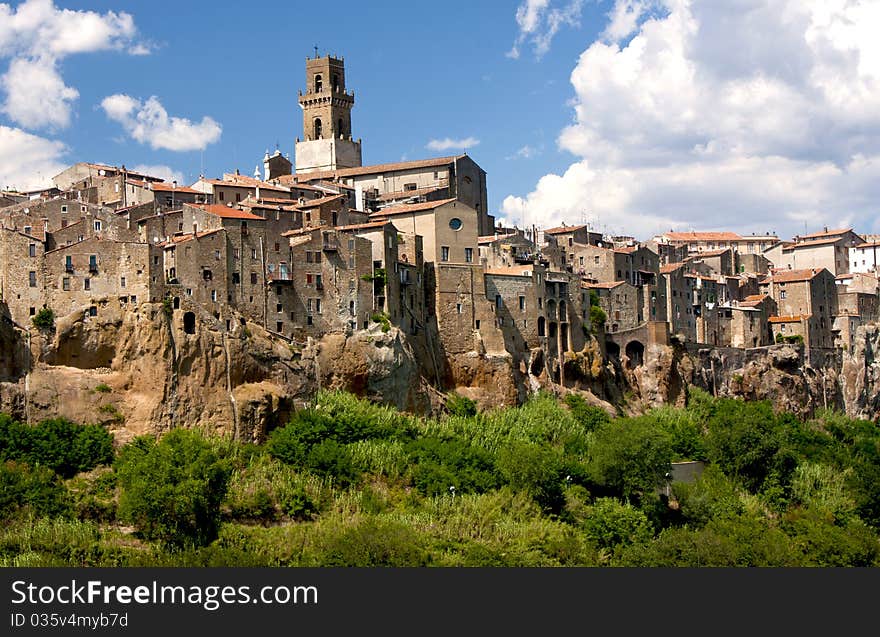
(227, 213)
(810, 244)
(563, 229)
(791, 276)
(183, 238)
(378, 168)
(670, 267)
(518, 270)
(161, 186)
(606, 285)
(710, 253)
(788, 319)
(825, 233)
(410, 208)
(314, 203)
(363, 226)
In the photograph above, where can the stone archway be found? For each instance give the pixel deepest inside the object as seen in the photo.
(635, 354)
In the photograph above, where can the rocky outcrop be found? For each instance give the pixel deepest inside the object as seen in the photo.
(860, 375)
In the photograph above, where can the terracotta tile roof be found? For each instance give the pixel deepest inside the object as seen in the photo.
(518, 270)
(825, 233)
(161, 186)
(756, 297)
(563, 229)
(225, 212)
(791, 276)
(410, 208)
(183, 238)
(670, 267)
(788, 319)
(290, 180)
(868, 244)
(607, 285)
(810, 244)
(378, 168)
(363, 226)
(702, 236)
(627, 250)
(299, 231)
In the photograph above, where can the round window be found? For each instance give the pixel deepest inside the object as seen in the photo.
(455, 223)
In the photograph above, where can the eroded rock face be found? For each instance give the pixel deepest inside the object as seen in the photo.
(860, 375)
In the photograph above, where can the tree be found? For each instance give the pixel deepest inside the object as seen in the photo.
(611, 523)
(630, 456)
(172, 489)
(34, 488)
(536, 470)
(57, 443)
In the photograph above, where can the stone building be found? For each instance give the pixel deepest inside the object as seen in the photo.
(22, 283)
(620, 301)
(506, 250)
(196, 269)
(807, 300)
(863, 256)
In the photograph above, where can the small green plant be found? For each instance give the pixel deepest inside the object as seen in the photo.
(112, 411)
(379, 277)
(459, 405)
(382, 319)
(103, 388)
(167, 306)
(44, 319)
(597, 318)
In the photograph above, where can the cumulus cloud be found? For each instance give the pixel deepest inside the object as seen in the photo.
(539, 23)
(160, 170)
(36, 36)
(757, 115)
(524, 152)
(447, 143)
(149, 123)
(28, 161)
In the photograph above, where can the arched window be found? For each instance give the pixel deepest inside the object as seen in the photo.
(318, 129)
(339, 129)
(335, 82)
(319, 84)
(541, 326)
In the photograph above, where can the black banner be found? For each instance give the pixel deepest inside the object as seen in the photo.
(225, 601)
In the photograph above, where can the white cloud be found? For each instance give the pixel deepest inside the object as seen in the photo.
(525, 152)
(160, 170)
(36, 36)
(27, 161)
(757, 115)
(36, 94)
(448, 143)
(539, 23)
(149, 123)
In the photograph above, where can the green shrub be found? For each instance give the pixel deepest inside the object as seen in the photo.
(459, 405)
(372, 542)
(34, 489)
(589, 417)
(298, 505)
(59, 444)
(611, 523)
(44, 319)
(438, 464)
(383, 320)
(103, 388)
(536, 470)
(172, 489)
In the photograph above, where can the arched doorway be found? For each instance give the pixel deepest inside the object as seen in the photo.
(635, 354)
(189, 323)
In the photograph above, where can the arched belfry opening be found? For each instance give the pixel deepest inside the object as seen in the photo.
(319, 84)
(340, 129)
(335, 82)
(318, 128)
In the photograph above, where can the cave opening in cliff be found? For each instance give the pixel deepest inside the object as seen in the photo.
(189, 323)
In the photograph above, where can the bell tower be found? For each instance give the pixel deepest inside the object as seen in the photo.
(327, 142)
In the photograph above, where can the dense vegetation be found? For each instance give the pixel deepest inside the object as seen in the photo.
(347, 482)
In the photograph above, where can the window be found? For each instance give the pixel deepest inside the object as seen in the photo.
(410, 186)
(279, 308)
(317, 257)
(236, 278)
(458, 307)
(93, 263)
(27, 229)
(522, 303)
(220, 195)
(32, 278)
(214, 295)
(455, 223)
(309, 258)
(782, 294)
(97, 226)
(468, 255)
(32, 250)
(217, 254)
(277, 247)
(444, 253)
(87, 284)
(317, 306)
(253, 278)
(308, 279)
(180, 226)
(540, 302)
(64, 223)
(237, 197)
(498, 301)
(93, 310)
(351, 244)
(319, 83)
(318, 283)
(65, 284)
(63, 209)
(309, 320)
(253, 253)
(122, 282)
(318, 128)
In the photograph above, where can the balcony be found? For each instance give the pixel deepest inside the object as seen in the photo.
(331, 244)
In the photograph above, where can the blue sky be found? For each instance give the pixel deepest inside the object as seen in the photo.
(636, 115)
